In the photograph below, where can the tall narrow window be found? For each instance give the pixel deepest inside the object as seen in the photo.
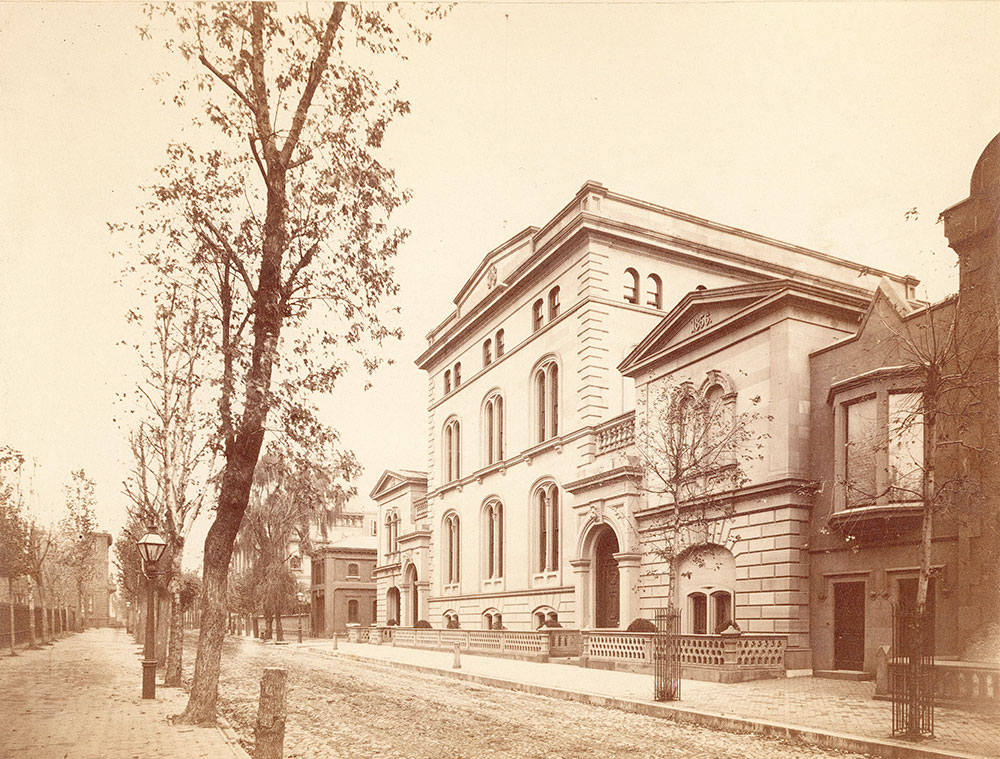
(546, 391)
(451, 536)
(654, 291)
(447, 381)
(553, 303)
(458, 374)
(906, 447)
(699, 613)
(493, 535)
(631, 286)
(352, 611)
(498, 340)
(487, 352)
(861, 444)
(452, 450)
(537, 315)
(493, 429)
(546, 502)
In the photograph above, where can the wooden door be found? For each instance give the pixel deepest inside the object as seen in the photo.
(849, 625)
(606, 578)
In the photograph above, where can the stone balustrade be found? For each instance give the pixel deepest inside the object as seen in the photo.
(616, 434)
(719, 658)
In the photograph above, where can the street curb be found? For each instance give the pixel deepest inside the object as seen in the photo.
(229, 733)
(885, 748)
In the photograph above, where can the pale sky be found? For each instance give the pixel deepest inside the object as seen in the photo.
(819, 124)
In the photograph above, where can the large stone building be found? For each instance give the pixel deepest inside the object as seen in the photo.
(537, 504)
(526, 510)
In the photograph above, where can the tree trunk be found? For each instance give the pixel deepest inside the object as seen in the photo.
(31, 617)
(175, 645)
(46, 631)
(269, 733)
(278, 630)
(162, 626)
(10, 593)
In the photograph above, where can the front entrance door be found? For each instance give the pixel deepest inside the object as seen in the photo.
(606, 578)
(849, 625)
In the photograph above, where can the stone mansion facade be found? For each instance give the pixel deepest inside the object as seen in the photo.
(537, 379)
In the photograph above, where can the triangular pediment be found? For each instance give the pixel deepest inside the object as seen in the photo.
(699, 313)
(392, 479)
(493, 271)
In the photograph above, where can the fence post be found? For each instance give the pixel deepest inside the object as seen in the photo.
(335, 641)
(457, 664)
(882, 657)
(269, 733)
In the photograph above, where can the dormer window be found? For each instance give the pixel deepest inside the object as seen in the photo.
(632, 286)
(537, 315)
(654, 291)
(553, 303)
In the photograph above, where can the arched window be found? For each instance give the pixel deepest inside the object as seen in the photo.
(493, 429)
(352, 611)
(452, 549)
(706, 577)
(452, 450)
(546, 391)
(631, 286)
(447, 381)
(543, 615)
(537, 315)
(458, 374)
(654, 291)
(498, 340)
(296, 562)
(546, 509)
(353, 571)
(487, 352)
(391, 536)
(553, 302)
(493, 540)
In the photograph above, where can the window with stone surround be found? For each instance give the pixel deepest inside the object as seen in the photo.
(546, 512)
(654, 291)
(537, 315)
(493, 428)
(878, 441)
(352, 611)
(546, 400)
(452, 548)
(487, 352)
(452, 450)
(553, 302)
(493, 530)
(498, 341)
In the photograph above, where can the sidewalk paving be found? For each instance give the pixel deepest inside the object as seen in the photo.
(80, 698)
(836, 713)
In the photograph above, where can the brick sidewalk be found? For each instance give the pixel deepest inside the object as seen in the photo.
(834, 706)
(80, 698)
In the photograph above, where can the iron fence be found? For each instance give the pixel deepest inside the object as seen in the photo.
(911, 673)
(666, 655)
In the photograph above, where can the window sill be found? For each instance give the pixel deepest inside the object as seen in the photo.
(493, 585)
(861, 514)
(545, 579)
(450, 590)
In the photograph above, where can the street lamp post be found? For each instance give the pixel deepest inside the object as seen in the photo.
(300, 597)
(151, 548)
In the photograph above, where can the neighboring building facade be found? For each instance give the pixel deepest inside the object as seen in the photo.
(530, 508)
(97, 592)
(342, 587)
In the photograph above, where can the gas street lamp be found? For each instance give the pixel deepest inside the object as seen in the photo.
(301, 597)
(151, 547)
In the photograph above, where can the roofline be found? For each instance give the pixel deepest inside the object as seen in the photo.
(768, 295)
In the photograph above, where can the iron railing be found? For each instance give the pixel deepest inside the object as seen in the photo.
(911, 674)
(666, 655)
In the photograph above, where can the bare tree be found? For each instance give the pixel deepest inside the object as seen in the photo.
(285, 214)
(78, 528)
(13, 527)
(174, 445)
(692, 445)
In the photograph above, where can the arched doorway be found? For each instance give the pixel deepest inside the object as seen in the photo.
(392, 605)
(606, 584)
(411, 589)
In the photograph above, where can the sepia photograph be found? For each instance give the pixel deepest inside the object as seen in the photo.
(538, 379)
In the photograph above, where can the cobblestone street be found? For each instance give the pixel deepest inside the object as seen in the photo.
(343, 708)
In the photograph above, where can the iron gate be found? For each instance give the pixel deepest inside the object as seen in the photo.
(911, 673)
(666, 655)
